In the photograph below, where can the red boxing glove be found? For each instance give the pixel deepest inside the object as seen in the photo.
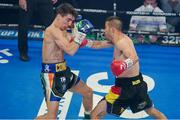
(118, 67)
(71, 40)
(86, 42)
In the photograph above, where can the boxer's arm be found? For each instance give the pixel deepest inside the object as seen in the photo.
(96, 43)
(63, 42)
(101, 44)
(80, 30)
(85, 26)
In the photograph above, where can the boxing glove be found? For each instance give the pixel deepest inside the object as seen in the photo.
(78, 18)
(81, 29)
(87, 43)
(84, 26)
(118, 67)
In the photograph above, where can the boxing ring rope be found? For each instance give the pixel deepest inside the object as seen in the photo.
(8, 6)
(168, 36)
(137, 13)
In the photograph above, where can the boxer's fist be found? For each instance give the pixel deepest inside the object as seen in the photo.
(119, 66)
(78, 18)
(87, 43)
(84, 26)
(81, 29)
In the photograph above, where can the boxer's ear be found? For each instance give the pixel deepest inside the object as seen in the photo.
(112, 29)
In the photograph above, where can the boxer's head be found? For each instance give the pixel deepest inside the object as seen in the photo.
(65, 15)
(152, 3)
(112, 24)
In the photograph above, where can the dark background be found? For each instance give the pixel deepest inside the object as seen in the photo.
(10, 16)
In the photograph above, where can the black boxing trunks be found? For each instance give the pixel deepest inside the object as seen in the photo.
(56, 79)
(128, 92)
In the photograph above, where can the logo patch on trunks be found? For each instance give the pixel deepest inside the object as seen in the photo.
(63, 81)
(136, 82)
(46, 69)
(141, 105)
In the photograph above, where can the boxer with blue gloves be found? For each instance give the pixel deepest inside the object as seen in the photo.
(56, 76)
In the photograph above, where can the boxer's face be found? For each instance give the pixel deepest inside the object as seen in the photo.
(150, 2)
(66, 21)
(108, 31)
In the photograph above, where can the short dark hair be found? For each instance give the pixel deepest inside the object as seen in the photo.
(115, 22)
(66, 8)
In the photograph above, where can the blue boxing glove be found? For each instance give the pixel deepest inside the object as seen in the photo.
(81, 29)
(84, 26)
(78, 18)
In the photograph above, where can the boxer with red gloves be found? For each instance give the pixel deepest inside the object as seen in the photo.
(129, 89)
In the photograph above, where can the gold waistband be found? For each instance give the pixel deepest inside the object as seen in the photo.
(60, 66)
